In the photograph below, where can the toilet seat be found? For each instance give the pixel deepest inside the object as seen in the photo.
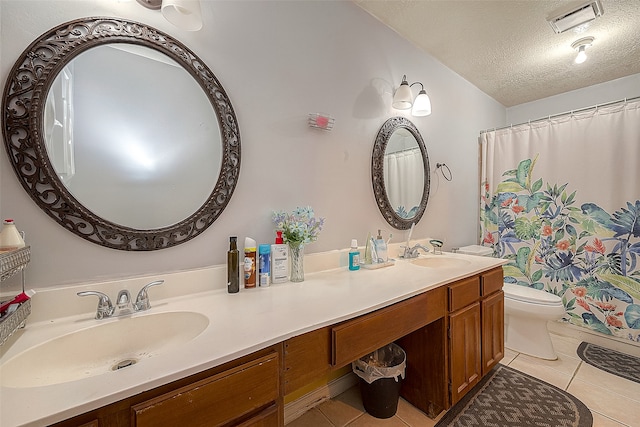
(530, 295)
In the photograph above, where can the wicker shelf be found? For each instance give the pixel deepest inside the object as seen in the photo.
(14, 262)
(11, 263)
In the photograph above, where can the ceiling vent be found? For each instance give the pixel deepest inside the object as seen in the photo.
(576, 16)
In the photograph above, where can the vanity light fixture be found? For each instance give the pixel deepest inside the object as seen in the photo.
(403, 99)
(581, 45)
(184, 14)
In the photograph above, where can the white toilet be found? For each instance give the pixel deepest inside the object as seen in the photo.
(526, 313)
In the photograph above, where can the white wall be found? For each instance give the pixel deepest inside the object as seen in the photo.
(614, 90)
(278, 61)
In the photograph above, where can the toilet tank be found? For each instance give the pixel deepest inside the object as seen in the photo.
(476, 250)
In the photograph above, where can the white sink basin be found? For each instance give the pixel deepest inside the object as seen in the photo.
(440, 261)
(100, 349)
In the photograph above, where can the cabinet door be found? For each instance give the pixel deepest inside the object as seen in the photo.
(492, 331)
(465, 350)
(307, 358)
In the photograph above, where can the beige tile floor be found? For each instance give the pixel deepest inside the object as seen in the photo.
(613, 401)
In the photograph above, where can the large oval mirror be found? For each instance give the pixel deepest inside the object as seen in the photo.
(121, 134)
(400, 173)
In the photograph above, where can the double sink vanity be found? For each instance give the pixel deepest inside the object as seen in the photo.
(201, 356)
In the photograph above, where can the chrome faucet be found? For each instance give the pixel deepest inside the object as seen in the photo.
(123, 302)
(105, 308)
(142, 300)
(412, 252)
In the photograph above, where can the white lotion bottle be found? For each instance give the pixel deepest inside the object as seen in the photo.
(10, 237)
(279, 260)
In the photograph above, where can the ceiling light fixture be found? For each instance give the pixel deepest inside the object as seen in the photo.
(184, 14)
(403, 99)
(581, 45)
(576, 16)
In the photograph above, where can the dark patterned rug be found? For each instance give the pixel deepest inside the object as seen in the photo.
(612, 361)
(509, 398)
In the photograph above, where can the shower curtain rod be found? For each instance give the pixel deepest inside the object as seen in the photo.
(567, 113)
(404, 150)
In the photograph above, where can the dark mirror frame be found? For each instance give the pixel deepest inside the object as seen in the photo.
(377, 172)
(23, 106)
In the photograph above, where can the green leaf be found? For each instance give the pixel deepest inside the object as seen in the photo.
(569, 305)
(527, 229)
(632, 316)
(522, 259)
(512, 270)
(537, 275)
(536, 185)
(509, 187)
(523, 172)
(627, 284)
(571, 230)
(511, 172)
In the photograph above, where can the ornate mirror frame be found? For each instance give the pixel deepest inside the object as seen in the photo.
(23, 106)
(377, 172)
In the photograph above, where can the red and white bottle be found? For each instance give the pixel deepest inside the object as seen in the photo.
(10, 237)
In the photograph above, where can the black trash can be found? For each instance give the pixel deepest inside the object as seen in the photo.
(380, 374)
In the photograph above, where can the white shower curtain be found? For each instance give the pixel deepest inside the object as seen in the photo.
(404, 180)
(561, 198)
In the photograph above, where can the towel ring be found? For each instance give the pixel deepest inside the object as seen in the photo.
(441, 166)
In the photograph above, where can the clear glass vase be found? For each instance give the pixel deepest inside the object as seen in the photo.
(297, 261)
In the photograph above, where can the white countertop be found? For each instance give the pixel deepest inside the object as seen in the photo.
(239, 324)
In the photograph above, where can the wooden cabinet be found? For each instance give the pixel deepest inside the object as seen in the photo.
(246, 392)
(425, 383)
(218, 400)
(492, 311)
(358, 337)
(476, 330)
(465, 348)
(307, 357)
(452, 335)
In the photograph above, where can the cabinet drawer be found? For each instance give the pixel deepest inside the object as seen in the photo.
(356, 338)
(492, 281)
(216, 400)
(463, 293)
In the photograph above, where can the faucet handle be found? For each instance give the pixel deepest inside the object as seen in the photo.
(105, 308)
(124, 298)
(142, 300)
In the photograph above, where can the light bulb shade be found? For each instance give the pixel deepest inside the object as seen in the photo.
(403, 99)
(582, 55)
(184, 14)
(422, 105)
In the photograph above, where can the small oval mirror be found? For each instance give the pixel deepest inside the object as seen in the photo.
(400, 173)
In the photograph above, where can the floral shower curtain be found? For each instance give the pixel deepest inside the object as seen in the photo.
(404, 180)
(560, 198)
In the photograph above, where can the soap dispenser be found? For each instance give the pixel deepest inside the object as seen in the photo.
(279, 260)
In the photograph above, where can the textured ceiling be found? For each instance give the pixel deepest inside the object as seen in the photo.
(508, 49)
